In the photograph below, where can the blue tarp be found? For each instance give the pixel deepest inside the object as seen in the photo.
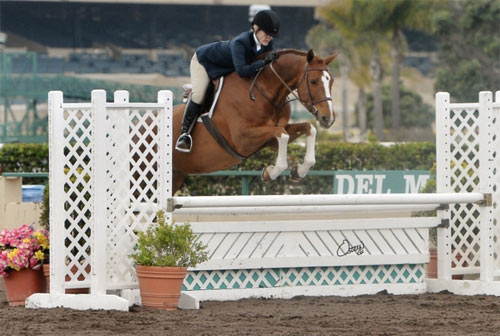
(33, 193)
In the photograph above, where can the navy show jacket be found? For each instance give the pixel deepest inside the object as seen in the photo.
(223, 57)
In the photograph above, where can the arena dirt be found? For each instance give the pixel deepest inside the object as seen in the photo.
(381, 314)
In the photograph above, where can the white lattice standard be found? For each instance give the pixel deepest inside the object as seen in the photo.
(110, 171)
(496, 184)
(467, 161)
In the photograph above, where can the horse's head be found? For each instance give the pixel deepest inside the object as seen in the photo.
(311, 79)
(315, 87)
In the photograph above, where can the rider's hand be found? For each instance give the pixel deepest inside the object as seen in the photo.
(271, 57)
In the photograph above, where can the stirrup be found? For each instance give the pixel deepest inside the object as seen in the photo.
(189, 138)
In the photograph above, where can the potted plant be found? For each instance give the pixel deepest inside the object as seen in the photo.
(22, 253)
(162, 256)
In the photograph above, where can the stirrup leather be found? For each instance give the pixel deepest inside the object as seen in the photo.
(185, 150)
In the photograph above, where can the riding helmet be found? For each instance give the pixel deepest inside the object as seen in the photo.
(268, 21)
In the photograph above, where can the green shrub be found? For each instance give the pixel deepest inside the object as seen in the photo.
(330, 156)
(26, 158)
(168, 245)
(44, 209)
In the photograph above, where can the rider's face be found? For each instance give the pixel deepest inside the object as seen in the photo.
(263, 38)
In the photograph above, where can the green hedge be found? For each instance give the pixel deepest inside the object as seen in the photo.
(329, 156)
(25, 158)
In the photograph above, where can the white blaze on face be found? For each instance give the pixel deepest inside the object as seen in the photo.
(326, 84)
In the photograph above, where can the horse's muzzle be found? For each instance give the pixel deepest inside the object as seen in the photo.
(326, 121)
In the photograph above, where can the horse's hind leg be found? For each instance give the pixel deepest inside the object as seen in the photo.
(295, 130)
(281, 137)
(272, 172)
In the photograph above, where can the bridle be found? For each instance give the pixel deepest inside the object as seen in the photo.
(311, 107)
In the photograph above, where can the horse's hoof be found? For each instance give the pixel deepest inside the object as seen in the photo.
(294, 174)
(265, 177)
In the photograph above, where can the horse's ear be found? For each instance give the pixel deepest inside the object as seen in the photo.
(310, 56)
(330, 58)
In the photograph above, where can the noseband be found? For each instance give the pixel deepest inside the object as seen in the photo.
(311, 107)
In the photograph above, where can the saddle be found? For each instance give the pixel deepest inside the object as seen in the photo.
(210, 99)
(207, 110)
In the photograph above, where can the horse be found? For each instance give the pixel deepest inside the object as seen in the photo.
(254, 113)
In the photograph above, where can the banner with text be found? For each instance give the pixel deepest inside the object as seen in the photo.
(379, 181)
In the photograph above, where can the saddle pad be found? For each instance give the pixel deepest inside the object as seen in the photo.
(214, 103)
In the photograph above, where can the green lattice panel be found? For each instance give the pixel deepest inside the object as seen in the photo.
(304, 276)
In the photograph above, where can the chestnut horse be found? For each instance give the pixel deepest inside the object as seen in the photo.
(252, 114)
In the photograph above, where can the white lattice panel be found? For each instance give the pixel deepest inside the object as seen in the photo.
(465, 175)
(133, 173)
(304, 276)
(77, 179)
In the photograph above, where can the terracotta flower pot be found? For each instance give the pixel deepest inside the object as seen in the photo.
(432, 266)
(160, 287)
(74, 269)
(21, 284)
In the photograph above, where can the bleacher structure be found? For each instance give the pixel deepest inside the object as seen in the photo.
(26, 80)
(84, 62)
(108, 37)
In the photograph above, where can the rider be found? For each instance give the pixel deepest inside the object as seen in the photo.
(217, 59)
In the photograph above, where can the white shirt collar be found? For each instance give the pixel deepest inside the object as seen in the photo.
(257, 43)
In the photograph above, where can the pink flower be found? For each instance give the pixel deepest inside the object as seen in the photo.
(21, 248)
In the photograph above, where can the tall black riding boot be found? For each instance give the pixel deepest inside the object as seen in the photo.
(191, 113)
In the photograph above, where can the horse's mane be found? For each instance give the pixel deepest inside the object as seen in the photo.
(285, 52)
(291, 51)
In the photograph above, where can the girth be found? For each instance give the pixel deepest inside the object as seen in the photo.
(219, 138)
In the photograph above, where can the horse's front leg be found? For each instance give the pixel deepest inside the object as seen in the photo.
(295, 130)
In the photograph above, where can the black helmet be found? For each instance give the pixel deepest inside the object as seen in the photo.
(268, 21)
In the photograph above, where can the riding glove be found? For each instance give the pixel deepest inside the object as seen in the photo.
(271, 57)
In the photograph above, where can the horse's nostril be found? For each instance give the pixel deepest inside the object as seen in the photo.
(324, 120)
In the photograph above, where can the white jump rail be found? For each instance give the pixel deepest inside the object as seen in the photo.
(316, 200)
(306, 209)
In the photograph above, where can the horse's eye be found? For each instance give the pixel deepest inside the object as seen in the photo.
(314, 81)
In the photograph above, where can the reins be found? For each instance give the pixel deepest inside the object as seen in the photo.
(254, 85)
